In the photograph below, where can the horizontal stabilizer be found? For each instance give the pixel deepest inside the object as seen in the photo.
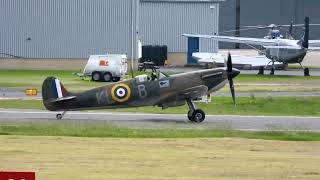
(63, 99)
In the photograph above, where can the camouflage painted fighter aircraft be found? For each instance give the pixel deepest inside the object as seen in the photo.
(163, 91)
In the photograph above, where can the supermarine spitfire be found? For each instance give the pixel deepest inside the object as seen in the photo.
(164, 91)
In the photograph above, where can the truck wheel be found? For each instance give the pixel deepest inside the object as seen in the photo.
(96, 76)
(116, 79)
(107, 77)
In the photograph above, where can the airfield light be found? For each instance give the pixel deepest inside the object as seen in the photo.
(31, 92)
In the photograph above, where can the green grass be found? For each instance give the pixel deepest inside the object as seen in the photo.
(278, 106)
(274, 79)
(34, 78)
(85, 158)
(99, 129)
(21, 104)
(272, 88)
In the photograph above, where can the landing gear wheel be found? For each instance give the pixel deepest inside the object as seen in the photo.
(198, 116)
(261, 70)
(272, 71)
(189, 115)
(96, 76)
(107, 77)
(306, 72)
(59, 116)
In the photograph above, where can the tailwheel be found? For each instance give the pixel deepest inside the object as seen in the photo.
(60, 116)
(198, 116)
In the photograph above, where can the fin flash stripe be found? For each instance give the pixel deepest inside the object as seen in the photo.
(61, 92)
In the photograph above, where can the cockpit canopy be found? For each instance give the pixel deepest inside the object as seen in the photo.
(154, 76)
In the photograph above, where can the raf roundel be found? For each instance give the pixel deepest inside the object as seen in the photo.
(120, 92)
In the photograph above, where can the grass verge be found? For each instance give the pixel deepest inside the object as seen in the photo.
(277, 106)
(99, 129)
(55, 158)
(13, 79)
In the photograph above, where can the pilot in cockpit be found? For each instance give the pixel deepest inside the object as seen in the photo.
(153, 76)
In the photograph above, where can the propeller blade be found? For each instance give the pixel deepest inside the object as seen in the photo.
(229, 64)
(231, 73)
(232, 91)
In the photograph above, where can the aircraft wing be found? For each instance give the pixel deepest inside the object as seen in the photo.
(253, 61)
(242, 40)
(192, 93)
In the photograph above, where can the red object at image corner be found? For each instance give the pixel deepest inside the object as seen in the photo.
(17, 175)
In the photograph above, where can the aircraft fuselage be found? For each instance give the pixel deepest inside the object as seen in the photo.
(286, 51)
(286, 55)
(141, 91)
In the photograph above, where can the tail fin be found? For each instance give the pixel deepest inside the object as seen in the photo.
(53, 91)
(305, 42)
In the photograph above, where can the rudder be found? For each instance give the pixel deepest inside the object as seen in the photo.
(52, 89)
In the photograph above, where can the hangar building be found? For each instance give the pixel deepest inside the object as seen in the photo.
(67, 29)
(77, 28)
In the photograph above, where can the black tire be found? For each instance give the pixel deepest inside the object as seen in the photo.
(59, 116)
(189, 115)
(96, 76)
(116, 79)
(272, 71)
(107, 77)
(198, 116)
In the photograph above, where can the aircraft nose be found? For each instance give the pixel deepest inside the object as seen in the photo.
(234, 73)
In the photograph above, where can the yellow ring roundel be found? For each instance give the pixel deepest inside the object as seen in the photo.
(120, 92)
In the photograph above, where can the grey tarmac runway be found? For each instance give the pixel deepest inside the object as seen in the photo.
(141, 120)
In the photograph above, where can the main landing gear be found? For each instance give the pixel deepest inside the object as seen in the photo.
(305, 70)
(60, 116)
(261, 69)
(195, 115)
(272, 69)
